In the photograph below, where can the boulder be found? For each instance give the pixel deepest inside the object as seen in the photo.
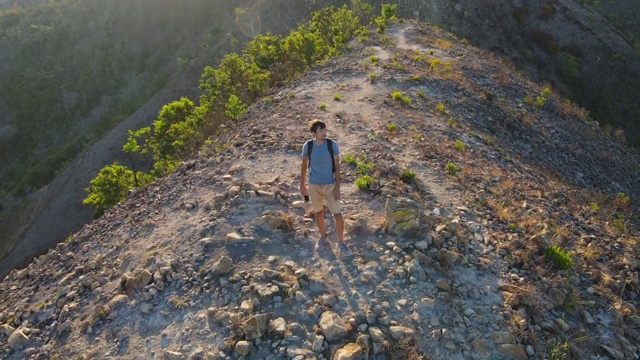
(332, 326)
(402, 216)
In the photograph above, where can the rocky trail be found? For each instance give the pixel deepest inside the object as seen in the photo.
(216, 261)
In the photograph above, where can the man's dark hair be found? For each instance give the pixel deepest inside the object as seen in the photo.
(316, 124)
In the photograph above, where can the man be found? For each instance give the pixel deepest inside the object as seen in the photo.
(324, 182)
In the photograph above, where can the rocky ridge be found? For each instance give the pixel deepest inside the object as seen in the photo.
(216, 261)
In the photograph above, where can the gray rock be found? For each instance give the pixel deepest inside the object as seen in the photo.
(173, 355)
(415, 269)
(278, 325)
(399, 333)
(256, 326)
(17, 339)
(294, 351)
(443, 285)
(332, 326)
(482, 348)
(351, 351)
(377, 336)
(364, 341)
(562, 325)
(402, 216)
(6, 329)
(243, 348)
(513, 351)
(446, 257)
(557, 296)
(222, 266)
(234, 191)
(503, 337)
(318, 340)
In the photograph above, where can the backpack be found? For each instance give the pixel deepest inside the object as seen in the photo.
(329, 146)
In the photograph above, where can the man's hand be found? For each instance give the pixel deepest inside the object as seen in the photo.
(303, 189)
(336, 192)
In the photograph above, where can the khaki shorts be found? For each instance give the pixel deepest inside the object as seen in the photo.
(318, 192)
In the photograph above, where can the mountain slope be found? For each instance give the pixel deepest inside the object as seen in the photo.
(217, 259)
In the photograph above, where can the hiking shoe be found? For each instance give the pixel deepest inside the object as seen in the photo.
(320, 243)
(344, 250)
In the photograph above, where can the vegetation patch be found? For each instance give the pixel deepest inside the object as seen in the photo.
(560, 258)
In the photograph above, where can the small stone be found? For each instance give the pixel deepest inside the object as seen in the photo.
(317, 343)
(332, 326)
(351, 351)
(443, 285)
(482, 348)
(562, 325)
(18, 339)
(513, 351)
(503, 337)
(557, 297)
(243, 348)
(173, 355)
(446, 257)
(223, 265)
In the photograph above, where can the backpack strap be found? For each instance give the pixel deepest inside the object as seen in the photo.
(309, 147)
(330, 147)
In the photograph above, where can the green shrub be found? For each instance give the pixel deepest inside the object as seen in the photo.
(560, 352)
(364, 181)
(392, 127)
(323, 106)
(623, 201)
(560, 258)
(337, 97)
(440, 108)
(420, 137)
(389, 11)
(235, 108)
(407, 176)
(374, 60)
(372, 75)
(111, 186)
(364, 167)
(434, 65)
(460, 146)
(397, 96)
(421, 94)
(452, 169)
(594, 207)
(349, 159)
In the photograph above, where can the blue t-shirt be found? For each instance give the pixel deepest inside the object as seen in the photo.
(321, 172)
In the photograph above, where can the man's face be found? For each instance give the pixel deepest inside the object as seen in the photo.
(321, 134)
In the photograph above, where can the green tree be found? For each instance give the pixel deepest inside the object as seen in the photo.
(175, 134)
(234, 108)
(111, 186)
(132, 146)
(265, 50)
(236, 75)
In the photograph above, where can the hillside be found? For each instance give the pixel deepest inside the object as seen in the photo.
(586, 57)
(216, 261)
